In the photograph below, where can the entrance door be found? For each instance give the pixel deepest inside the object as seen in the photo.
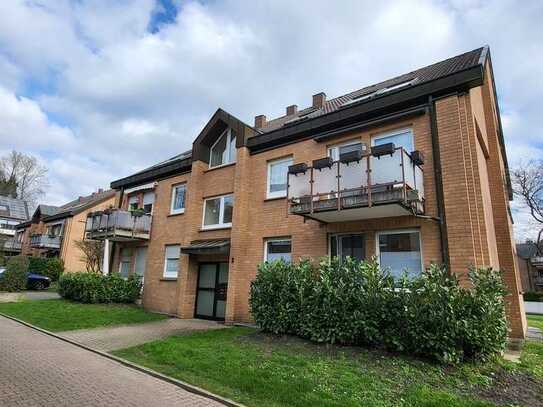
(212, 288)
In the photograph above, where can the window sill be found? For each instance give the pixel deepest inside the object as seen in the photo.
(218, 167)
(274, 198)
(168, 279)
(175, 214)
(215, 228)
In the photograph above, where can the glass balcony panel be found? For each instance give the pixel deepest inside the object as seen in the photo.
(386, 169)
(325, 180)
(299, 185)
(408, 169)
(419, 181)
(354, 175)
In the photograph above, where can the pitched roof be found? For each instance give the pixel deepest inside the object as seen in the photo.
(429, 73)
(47, 210)
(78, 205)
(16, 208)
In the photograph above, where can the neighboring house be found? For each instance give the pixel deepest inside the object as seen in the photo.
(53, 230)
(12, 212)
(530, 262)
(414, 159)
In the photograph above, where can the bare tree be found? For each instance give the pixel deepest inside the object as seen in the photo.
(23, 177)
(528, 185)
(93, 254)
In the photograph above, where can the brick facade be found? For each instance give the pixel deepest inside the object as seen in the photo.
(478, 225)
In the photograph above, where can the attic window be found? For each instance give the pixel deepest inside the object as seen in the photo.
(224, 150)
(302, 116)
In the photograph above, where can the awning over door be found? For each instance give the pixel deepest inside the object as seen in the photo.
(215, 246)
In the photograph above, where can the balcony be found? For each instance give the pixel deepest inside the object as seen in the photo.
(118, 225)
(387, 182)
(12, 245)
(45, 241)
(537, 261)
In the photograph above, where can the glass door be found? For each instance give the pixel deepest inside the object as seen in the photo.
(212, 290)
(141, 259)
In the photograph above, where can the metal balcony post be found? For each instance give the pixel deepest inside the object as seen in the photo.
(368, 171)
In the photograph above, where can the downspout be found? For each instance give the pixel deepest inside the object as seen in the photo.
(439, 182)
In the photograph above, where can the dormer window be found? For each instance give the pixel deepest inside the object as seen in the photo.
(224, 150)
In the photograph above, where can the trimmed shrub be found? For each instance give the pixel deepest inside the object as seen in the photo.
(37, 265)
(536, 296)
(97, 288)
(54, 268)
(356, 303)
(14, 278)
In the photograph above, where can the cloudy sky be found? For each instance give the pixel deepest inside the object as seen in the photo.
(99, 89)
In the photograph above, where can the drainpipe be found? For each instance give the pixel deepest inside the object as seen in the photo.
(439, 182)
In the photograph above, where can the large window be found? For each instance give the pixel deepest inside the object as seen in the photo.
(148, 201)
(125, 263)
(171, 261)
(224, 150)
(133, 202)
(348, 245)
(277, 248)
(178, 199)
(400, 138)
(399, 251)
(347, 147)
(218, 212)
(277, 177)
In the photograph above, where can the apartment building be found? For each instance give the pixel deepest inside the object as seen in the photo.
(53, 231)
(12, 212)
(530, 263)
(412, 170)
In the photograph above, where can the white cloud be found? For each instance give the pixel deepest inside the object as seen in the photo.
(118, 88)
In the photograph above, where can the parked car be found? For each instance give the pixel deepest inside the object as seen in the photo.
(33, 281)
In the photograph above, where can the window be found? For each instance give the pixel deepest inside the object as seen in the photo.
(178, 199)
(171, 261)
(224, 150)
(125, 262)
(54, 230)
(133, 202)
(148, 201)
(218, 212)
(347, 147)
(275, 249)
(400, 138)
(277, 177)
(348, 245)
(399, 251)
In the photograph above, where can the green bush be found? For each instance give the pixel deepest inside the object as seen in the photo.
(37, 265)
(536, 296)
(356, 303)
(14, 278)
(54, 268)
(97, 288)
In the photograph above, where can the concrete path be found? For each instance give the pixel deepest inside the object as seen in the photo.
(535, 334)
(39, 370)
(28, 296)
(118, 337)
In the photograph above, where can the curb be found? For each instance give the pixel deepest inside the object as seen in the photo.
(185, 386)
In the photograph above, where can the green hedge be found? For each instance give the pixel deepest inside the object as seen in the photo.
(50, 267)
(14, 278)
(536, 296)
(355, 303)
(97, 288)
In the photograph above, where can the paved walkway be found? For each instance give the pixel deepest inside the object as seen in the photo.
(28, 295)
(39, 370)
(118, 337)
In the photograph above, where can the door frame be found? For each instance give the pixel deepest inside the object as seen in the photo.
(217, 268)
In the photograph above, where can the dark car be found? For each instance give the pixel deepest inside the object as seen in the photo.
(33, 281)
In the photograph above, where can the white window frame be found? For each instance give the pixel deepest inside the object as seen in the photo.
(228, 133)
(172, 200)
(221, 224)
(276, 239)
(276, 194)
(395, 232)
(331, 235)
(166, 261)
(345, 144)
(392, 133)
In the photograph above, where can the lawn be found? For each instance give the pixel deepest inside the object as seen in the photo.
(263, 370)
(61, 315)
(535, 321)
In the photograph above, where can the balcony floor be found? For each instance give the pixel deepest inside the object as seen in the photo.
(353, 214)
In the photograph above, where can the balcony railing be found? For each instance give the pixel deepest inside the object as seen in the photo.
(45, 241)
(537, 261)
(118, 225)
(387, 182)
(12, 245)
